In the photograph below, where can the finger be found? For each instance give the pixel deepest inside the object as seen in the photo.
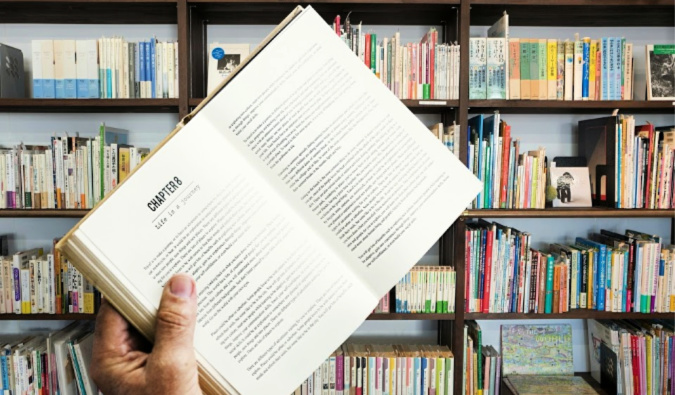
(176, 317)
(111, 333)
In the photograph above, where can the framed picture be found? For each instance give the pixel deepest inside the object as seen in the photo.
(660, 72)
(572, 185)
(223, 59)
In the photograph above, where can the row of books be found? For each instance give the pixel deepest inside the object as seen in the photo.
(32, 282)
(107, 68)
(632, 357)
(426, 289)
(53, 363)
(644, 165)
(383, 369)
(511, 179)
(482, 363)
(424, 70)
(71, 172)
(550, 69)
(608, 271)
(448, 135)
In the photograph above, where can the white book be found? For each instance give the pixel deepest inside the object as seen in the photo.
(578, 66)
(36, 53)
(59, 67)
(47, 58)
(69, 69)
(170, 71)
(569, 70)
(278, 205)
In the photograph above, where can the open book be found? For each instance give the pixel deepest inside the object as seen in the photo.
(297, 195)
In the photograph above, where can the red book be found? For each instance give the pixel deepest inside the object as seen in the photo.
(336, 24)
(488, 269)
(636, 365)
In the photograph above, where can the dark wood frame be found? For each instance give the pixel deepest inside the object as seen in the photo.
(454, 16)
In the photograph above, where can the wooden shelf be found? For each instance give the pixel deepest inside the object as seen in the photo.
(410, 317)
(89, 105)
(89, 11)
(595, 212)
(416, 106)
(560, 106)
(582, 13)
(574, 314)
(376, 12)
(42, 213)
(46, 317)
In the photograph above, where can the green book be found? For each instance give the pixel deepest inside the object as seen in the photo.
(548, 307)
(476, 334)
(373, 52)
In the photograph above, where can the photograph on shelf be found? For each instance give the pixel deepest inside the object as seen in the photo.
(660, 72)
(11, 73)
(572, 185)
(223, 59)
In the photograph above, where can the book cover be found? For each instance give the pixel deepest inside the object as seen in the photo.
(276, 174)
(554, 385)
(660, 72)
(12, 73)
(477, 68)
(543, 350)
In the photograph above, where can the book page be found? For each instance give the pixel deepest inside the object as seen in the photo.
(269, 289)
(297, 197)
(357, 165)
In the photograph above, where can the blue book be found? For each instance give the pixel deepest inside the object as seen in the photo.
(476, 126)
(5, 371)
(141, 56)
(585, 69)
(82, 85)
(600, 279)
(37, 90)
(637, 299)
(148, 77)
(153, 68)
(611, 67)
(424, 362)
(60, 88)
(514, 295)
(624, 299)
(70, 88)
(488, 132)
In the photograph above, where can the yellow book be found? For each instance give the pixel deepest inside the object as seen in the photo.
(552, 68)
(592, 92)
(649, 361)
(124, 163)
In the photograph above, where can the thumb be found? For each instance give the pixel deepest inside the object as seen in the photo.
(174, 334)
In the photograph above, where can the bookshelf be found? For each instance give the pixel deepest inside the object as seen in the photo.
(455, 18)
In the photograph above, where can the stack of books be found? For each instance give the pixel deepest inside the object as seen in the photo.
(57, 362)
(511, 179)
(38, 283)
(383, 369)
(107, 68)
(608, 271)
(70, 172)
(419, 71)
(632, 356)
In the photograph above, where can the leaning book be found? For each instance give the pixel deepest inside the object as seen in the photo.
(296, 194)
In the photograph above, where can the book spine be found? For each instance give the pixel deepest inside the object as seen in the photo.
(514, 69)
(524, 68)
(550, 269)
(552, 69)
(36, 52)
(585, 78)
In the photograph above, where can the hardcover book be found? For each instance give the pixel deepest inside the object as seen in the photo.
(544, 350)
(541, 385)
(304, 205)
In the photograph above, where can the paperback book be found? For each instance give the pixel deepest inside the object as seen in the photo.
(267, 210)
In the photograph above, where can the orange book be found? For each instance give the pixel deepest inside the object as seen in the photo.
(556, 289)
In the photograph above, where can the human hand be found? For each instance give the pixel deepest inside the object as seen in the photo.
(124, 363)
